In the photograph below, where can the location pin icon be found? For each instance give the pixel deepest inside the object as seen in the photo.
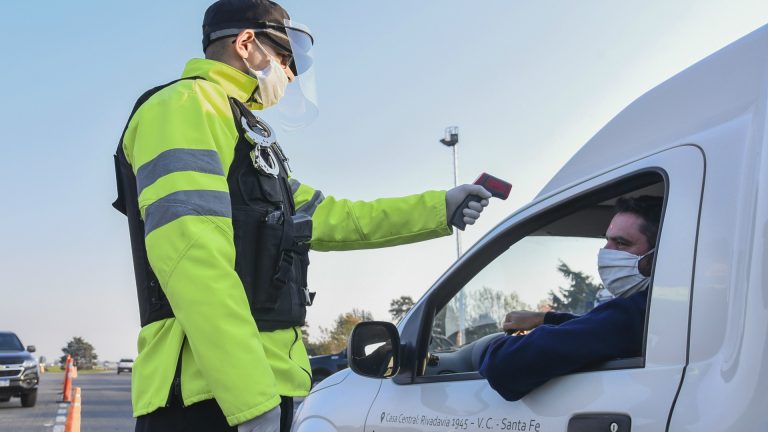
(383, 414)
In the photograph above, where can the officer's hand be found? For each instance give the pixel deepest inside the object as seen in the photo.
(267, 422)
(523, 320)
(455, 196)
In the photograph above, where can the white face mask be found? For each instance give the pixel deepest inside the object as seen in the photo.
(272, 81)
(603, 296)
(619, 272)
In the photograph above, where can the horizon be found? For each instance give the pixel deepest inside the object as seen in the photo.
(527, 89)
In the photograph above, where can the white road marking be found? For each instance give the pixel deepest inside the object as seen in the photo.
(61, 420)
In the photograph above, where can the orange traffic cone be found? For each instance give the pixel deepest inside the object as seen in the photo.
(73, 415)
(67, 390)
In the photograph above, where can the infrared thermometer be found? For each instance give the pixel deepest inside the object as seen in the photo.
(496, 186)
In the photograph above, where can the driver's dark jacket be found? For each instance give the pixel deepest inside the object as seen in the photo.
(515, 365)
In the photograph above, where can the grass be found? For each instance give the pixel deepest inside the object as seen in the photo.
(55, 369)
(94, 370)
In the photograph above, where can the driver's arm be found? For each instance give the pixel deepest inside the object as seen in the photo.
(557, 318)
(529, 320)
(515, 365)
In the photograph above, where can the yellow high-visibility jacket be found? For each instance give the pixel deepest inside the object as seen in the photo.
(223, 355)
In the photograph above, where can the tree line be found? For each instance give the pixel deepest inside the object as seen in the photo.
(485, 308)
(334, 339)
(484, 311)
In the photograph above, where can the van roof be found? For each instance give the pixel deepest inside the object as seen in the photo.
(717, 89)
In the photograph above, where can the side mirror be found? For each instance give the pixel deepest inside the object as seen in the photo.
(374, 349)
(31, 348)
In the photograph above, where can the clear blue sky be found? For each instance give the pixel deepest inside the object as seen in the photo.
(527, 82)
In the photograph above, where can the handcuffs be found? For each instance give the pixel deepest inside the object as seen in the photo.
(262, 136)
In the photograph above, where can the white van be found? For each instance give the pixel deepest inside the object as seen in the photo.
(699, 141)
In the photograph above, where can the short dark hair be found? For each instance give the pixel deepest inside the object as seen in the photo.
(648, 208)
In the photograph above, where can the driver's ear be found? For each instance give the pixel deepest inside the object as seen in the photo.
(645, 263)
(243, 42)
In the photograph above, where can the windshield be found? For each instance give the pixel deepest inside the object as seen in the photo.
(9, 342)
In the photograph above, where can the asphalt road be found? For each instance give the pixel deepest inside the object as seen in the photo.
(106, 402)
(106, 405)
(41, 417)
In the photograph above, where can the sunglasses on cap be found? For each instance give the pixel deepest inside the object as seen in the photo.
(285, 56)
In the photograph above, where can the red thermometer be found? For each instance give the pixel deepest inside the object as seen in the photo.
(496, 186)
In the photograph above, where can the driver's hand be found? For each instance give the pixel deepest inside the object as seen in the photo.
(523, 320)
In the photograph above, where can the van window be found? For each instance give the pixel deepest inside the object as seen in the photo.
(551, 267)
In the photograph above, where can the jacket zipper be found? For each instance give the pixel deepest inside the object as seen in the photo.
(175, 391)
(290, 354)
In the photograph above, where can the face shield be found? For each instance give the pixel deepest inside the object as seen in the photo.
(298, 107)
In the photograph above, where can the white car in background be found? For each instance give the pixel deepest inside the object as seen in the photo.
(700, 141)
(125, 365)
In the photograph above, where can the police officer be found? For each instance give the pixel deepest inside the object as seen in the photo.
(220, 231)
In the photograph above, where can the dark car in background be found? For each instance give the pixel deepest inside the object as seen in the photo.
(324, 366)
(19, 370)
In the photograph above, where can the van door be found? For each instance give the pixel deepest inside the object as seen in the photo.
(546, 254)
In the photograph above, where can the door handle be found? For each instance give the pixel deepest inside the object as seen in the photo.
(600, 422)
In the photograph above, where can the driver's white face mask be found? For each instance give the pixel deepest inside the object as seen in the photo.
(620, 273)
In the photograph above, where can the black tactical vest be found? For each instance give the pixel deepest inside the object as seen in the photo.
(271, 240)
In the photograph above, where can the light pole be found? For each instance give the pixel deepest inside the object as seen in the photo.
(450, 140)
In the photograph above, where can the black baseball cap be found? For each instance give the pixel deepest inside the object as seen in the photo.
(226, 18)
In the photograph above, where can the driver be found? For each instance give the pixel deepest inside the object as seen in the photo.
(561, 342)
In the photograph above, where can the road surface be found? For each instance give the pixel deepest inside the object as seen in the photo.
(106, 405)
(105, 398)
